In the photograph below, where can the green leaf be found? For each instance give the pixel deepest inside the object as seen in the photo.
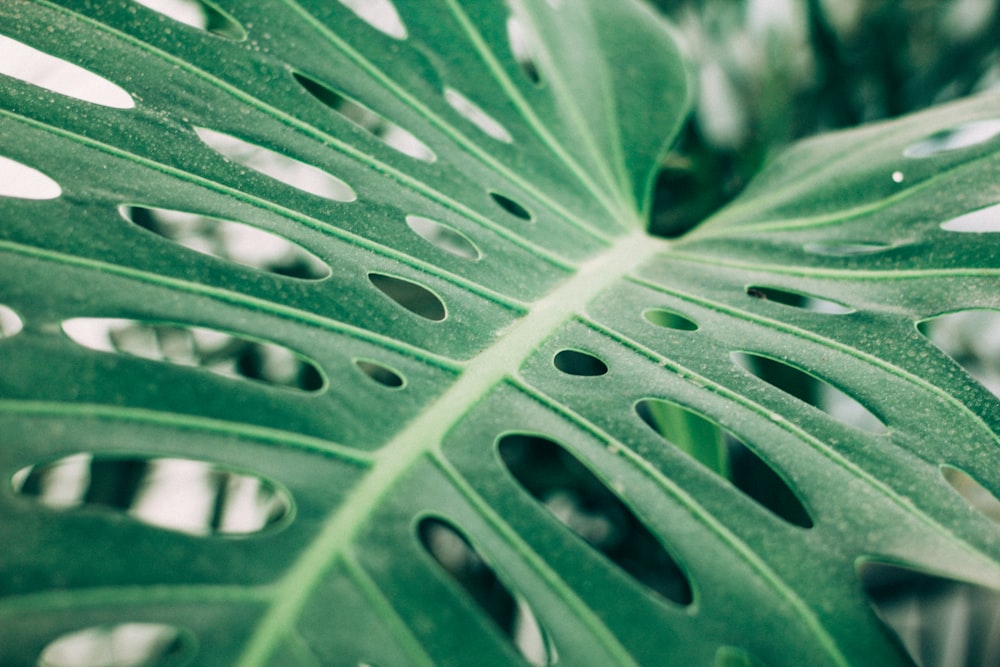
(215, 458)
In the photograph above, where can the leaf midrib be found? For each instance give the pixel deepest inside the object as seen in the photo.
(425, 433)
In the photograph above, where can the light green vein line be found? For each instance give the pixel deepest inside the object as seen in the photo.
(573, 603)
(817, 444)
(698, 512)
(760, 202)
(234, 298)
(124, 596)
(842, 274)
(242, 430)
(500, 76)
(708, 230)
(330, 230)
(416, 184)
(428, 429)
(569, 105)
(386, 612)
(446, 128)
(614, 130)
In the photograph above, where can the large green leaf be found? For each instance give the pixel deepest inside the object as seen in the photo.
(541, 325)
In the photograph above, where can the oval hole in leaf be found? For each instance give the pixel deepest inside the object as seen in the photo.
(669, 319)
(978, 496)
(122, 645)
(521, 48)
(472, 113)
(415, 298)
(963, 136)
(443, 237)
(379, 14)
(382, 374)
(216, 351)
(23, 182)
(289, 171)
(575, 362)
(374, 124)
(509, 611)
(726, 455)
(582, 502)
(230, 240)
(511, 206)
(798, 300)
(982, 221)
(183, 495)
(200, 15)
(846, 248)
(936, 618)
(10, 323)
(23, 62)
(972, 339)
(810, 389)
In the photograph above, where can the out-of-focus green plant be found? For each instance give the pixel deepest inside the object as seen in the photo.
(773, 71)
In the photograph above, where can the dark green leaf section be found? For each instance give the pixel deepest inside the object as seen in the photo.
(545, 174)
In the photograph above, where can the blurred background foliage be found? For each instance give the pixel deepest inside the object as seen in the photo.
(769, 72)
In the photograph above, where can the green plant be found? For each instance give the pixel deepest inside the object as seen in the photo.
(485, 418)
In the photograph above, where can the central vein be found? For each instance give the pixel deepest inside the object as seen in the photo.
(426, 432)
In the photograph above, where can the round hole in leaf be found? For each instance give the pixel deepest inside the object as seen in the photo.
(443, 237)
(20, 181)
(183, 495)
(287, 170)
(591, 509)
(384, 375)
(511, 206)
(201, 15)
(415, 298)
(956, 138)
(10, 323)
(510, 611)
(20, 61)
(230, 240)
(121, 645)
(216, 351)
(575, 362)
(669, 319)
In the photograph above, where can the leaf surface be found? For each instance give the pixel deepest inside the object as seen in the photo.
(412, 362)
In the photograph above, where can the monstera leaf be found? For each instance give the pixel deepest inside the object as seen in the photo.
(453, 405)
